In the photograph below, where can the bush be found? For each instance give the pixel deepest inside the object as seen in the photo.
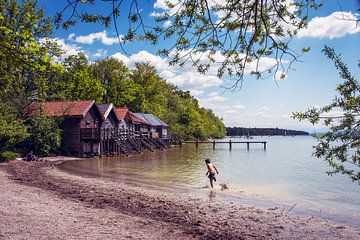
(45, 136)
(7, 156)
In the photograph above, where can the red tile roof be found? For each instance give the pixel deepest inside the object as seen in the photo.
(121, 113)
(135, 118)
(63, 108)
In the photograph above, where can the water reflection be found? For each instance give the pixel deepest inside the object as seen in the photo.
(211, 195)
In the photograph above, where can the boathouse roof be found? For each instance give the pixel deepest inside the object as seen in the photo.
(105, 109)
(136, 119)
(152, 119)
(62, 108)
(121, 113)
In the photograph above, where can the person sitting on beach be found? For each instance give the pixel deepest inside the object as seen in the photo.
(211, 170)
(30, 156)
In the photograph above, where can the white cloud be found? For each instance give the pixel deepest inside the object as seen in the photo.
(336, 25)
(214, 101)
(100, 53)
(162, 5)
(98, 36)
(67, 49)
(264, 108)
(157, 14)
(187, 78)
(71, 36)
(262, 65)
(238, 106)
(167, 24)
(121, 57)
(196, 93)
(191, 79)
(166, 74)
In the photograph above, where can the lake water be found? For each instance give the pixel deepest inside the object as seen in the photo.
(285, 174)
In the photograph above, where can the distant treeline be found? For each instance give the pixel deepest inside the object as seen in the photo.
(240, 131)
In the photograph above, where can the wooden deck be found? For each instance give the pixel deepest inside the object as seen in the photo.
(227, 142)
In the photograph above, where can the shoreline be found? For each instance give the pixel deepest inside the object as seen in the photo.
(185, 216)
(205, 193)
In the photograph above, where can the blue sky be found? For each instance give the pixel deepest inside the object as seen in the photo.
(260, 103)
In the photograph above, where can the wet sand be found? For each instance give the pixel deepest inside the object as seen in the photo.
(38, 201)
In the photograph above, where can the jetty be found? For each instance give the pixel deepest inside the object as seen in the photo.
(225, 142)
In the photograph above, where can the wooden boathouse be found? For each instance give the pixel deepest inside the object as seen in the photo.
(158, 129)
(80, 126)
(89, 129)
(108, 129)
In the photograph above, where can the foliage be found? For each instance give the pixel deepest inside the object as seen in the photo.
(12, 129)
(45, 135)
(229, 34)
(340, 146)
(240, 131)
(120, 89)
(7, 156)
(75, 82)
(24, 60)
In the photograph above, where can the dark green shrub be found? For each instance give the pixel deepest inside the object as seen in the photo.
(45, 135)
(7, 156)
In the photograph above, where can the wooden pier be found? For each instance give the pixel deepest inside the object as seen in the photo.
(225, 142)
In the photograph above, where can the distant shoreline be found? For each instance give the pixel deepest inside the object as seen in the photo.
(242, 131)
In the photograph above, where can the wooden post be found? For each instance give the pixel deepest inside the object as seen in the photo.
(230, 144)
(248, 145)
(264, 145)
(214, 144)
(197, 143)
(180, 143)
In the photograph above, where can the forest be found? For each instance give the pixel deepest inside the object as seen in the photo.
(241, 131)
(31, 69)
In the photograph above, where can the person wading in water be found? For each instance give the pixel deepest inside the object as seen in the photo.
(211, 171)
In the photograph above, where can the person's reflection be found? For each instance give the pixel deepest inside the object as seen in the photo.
(212, 195)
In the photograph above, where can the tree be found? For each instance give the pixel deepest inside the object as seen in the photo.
(120, 88)
(155, 88)
(24, 59)
(229, 34)
(340, 146)
(12, 129)
(25, 63)
(75, 81)
(45, 135)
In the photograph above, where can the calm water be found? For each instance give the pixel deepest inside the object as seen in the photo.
(285, 173)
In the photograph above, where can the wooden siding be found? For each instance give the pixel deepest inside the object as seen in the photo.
(71, 135)
(108, 125)
(81, 135)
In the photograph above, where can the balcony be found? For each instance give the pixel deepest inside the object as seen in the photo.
(89, 133)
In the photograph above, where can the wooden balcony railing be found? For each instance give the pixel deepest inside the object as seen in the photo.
(89, 133)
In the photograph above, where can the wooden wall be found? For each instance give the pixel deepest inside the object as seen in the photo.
(73, 143)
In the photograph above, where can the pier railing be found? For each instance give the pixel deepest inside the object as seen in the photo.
(226, 142)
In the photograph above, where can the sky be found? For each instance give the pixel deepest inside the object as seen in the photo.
(260, 102)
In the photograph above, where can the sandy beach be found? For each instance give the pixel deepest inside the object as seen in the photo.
(38, 201)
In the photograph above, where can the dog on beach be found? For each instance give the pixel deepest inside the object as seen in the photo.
(224, 186)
